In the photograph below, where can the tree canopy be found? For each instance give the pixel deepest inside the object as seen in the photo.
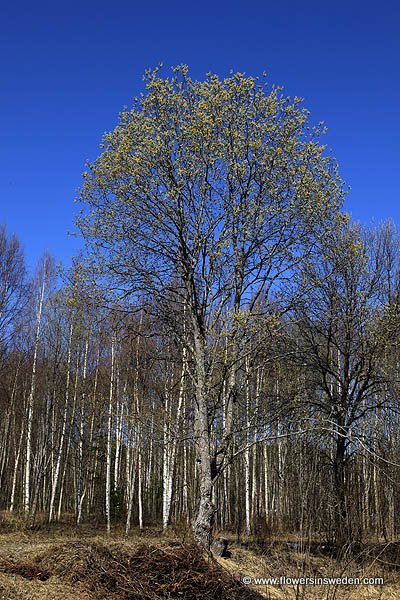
(221, 181)
(212, 191)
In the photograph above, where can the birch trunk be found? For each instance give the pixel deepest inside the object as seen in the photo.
(118, 431)
(32, 394)
(63, 430)
(133, 438)
(140, 489)
(247, 456)
(69, 442)
(80, 491)
(16, 464)
(170, 443)
(109, 431)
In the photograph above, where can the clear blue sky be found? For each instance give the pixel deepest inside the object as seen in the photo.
(67, 69)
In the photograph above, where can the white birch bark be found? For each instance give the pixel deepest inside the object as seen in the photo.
(56, 474)
(118, 430)
(247, 456)
(166, 458)
(69, 442)
(140, 489)
(91, 478)
(29, 425)
(171, 442)
(109, 431)
(134, 440)
(81, 492)
(15, 473)
(131, 480)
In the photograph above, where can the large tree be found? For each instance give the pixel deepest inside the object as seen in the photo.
(207, 193)
(345, 320)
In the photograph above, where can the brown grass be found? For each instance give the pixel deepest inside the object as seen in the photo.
(275, 561)
(81, 565)
(147, 571)
(85, 564)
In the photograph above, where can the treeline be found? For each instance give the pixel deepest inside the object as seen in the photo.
(99, 412)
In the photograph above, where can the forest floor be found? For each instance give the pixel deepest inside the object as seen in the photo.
(66, 563)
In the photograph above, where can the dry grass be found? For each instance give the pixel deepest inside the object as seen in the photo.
(16, 588)
(275, 561)
(144, 571)
(84, 564)
(95, 567)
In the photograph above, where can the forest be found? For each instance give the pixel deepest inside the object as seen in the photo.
(223, 356)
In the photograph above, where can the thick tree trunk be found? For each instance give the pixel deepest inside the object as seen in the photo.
(203, 524)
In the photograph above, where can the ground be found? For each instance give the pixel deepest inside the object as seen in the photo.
(66, 563)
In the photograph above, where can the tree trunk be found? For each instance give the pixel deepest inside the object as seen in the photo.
(80, 484)
(343, 533)
(54, 482)
(29, 425)
(109, 431)
(247, 490)
(170, 443)
(203, 524)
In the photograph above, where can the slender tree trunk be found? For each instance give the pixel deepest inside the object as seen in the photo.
(343, 533)
(92, 477)
(118, 431)
(185, 483)
(247, 490)
(171, 442)
(109, 431)
(29, 425)
(15, 473)
(63, 429)
(140, 487)
(134, 438)
(131, 458)
(69, 443)
(81, 492)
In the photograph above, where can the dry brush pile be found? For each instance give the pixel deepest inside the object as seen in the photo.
(145, 572)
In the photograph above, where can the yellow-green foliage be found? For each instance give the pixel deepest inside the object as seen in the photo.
(222, 179)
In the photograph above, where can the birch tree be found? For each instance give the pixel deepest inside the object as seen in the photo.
(44, 274)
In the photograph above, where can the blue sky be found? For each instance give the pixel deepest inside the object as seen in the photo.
(67, 70)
